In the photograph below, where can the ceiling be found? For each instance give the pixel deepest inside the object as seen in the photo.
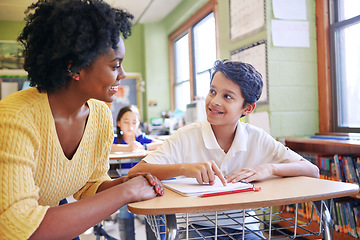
(144, 11)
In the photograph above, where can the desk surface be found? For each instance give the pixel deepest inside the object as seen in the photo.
(126, 155)
(274, 192)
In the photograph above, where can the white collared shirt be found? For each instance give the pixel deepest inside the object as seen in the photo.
(197, 143)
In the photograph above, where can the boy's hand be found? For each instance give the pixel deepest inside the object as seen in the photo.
(251, 174)
(203, 172)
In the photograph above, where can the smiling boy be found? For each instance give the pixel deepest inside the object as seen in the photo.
(222, 145)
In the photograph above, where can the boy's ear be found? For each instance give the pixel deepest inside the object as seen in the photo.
(249, 108)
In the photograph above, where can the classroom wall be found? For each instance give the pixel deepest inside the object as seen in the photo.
(134, 62)
(157, 71)
(293, 82)
(292, 72)
(156, 55)
(10, 30)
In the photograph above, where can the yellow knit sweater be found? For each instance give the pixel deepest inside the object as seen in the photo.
(34, 172)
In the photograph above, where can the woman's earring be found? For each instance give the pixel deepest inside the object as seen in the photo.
(121, 132)
(73, 75)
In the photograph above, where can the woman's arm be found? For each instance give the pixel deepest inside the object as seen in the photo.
(70, 220)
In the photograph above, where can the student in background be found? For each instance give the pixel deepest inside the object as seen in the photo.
(129, 137)
(224, 146)
(56, 138)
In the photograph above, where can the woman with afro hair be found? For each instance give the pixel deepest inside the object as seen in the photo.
(57, 135)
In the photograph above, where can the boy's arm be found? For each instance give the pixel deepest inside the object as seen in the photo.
(204, 172)
(301, 168)
(261, 172)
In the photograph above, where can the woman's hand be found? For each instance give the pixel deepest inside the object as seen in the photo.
(152, 180)
(257, 173)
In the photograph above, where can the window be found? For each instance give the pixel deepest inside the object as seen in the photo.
(193, 53)
(182, 72)
(344, 35)
(204, 54)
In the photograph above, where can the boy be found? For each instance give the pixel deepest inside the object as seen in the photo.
(222, 145)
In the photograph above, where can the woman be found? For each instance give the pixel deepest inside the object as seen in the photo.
(55, 138)
(129, 137)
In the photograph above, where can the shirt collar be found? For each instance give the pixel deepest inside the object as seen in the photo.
(241, 138)
(208, 136)
(239, 143)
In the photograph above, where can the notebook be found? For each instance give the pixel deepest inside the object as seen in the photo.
(189, 187)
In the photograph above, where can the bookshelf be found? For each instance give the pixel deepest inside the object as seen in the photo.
(323, 146)
(328, 146)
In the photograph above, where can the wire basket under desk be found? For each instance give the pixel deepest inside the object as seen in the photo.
(275, 223)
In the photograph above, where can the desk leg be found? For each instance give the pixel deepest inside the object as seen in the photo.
(171, 227)
(326, 219)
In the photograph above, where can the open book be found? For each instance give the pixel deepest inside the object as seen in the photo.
(191, 188)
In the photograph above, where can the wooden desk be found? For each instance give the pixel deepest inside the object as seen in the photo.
(121, 162)
(274, 192)
(127, 155)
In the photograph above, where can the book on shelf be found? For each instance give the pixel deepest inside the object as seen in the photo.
(345, 216)
(344, 168)
(345, 212)
(305, 210)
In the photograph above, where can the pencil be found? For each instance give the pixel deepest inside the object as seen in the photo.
(255, 189)
(133, 135)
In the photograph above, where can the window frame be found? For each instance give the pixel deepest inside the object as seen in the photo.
(335, 25)
(327, 71)
(186, 27)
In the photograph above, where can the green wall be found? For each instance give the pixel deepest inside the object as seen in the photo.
(157, 70)
(134, 61)
(293, 88)
(10, 30)
(183, 12)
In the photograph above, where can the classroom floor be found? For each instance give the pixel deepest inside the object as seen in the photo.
(112, 229)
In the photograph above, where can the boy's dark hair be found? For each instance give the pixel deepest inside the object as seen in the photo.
(130, 108)
(59, 33)
(244, 75)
